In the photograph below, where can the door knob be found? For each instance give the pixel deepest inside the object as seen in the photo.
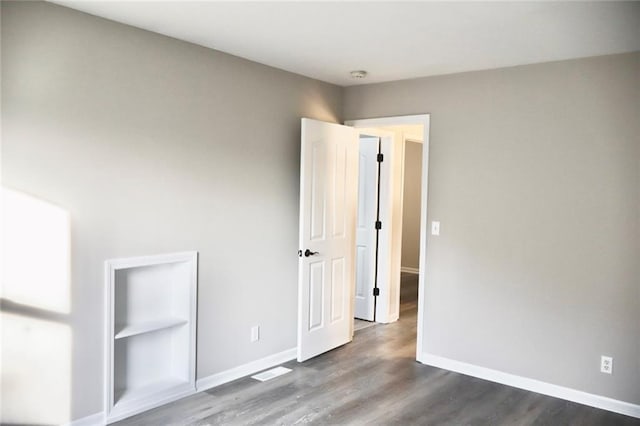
(308, 253)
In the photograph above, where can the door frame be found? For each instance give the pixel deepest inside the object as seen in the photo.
(424, 120)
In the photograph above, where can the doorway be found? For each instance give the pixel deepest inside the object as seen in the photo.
(410, 137)
(373, 237)
(328, 210)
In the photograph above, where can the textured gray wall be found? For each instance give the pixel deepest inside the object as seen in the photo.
(155, 145)
(411, 205)
(535, 176)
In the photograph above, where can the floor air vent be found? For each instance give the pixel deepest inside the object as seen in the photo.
(271, 374)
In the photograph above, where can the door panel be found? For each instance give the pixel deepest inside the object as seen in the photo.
(318, 181)
(338, 283)
(328, 192)
(316, 296)
(361, 269)
(365, 232)
(339, 192)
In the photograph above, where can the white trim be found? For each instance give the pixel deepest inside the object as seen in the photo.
(388, 121)
(245, 369)
(423, 232)
(413, 138)
(92, 420)
(203, 384)
(149, 402)
(533, 385)
(410, 270)
(157, 259)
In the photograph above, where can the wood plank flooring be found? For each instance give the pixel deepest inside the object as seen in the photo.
(374, 380)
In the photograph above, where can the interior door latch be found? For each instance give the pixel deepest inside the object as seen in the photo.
(307, 253)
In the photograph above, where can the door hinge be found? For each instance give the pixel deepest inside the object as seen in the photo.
(378, 224)
(376, 291)
(380, 158)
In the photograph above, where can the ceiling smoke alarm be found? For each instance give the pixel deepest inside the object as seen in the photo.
(358, 74)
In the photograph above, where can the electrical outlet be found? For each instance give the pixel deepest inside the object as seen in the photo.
(255, 333)
(606, 364)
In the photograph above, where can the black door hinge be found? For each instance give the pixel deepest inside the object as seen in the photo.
(376, 291)
(380, 158)
(378, 224)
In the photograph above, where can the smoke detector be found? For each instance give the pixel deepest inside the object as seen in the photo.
(358, 74)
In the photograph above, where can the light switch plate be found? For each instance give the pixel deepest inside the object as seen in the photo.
(435, 228)
(255, 333)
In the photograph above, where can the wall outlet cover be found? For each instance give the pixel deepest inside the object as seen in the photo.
(606, 364)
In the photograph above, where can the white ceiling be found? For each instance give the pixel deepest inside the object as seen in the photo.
(391, 40)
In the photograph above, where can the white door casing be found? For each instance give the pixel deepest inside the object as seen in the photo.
(365, 228)
(328, 194)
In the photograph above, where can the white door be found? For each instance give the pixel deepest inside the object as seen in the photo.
(366, 231)
(326, 269)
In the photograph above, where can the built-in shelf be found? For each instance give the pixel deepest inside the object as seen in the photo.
(123, 331)
(151, 332)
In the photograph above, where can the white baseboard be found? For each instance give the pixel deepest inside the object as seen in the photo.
(245, 370)
(205, 383)
(409, 270)
(96, 419)
(533, 385)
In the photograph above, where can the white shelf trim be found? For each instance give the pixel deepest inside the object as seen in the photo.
(143, 402)
(159, 259)
(139, 397)
(126, 396)
(147, 327)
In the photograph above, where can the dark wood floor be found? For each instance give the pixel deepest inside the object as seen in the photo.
(374, 380)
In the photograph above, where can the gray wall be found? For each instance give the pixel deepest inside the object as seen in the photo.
(155, 145)
(534, 174)
(411, 204)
